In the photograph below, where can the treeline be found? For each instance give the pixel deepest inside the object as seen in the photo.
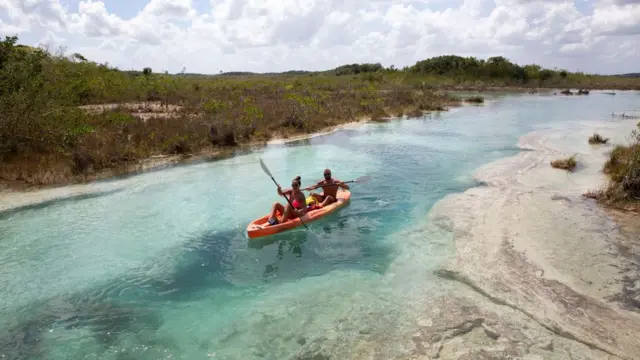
(353, 69)
(493, 67)
(497, 67)
(629, 75)
(446, 66)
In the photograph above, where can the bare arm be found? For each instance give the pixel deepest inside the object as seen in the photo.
(313, 187)
(283, 192)
(343, 185)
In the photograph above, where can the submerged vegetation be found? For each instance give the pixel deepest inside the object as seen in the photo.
(623, 170)
(66, 118)
(597, 139)
(565, 164)
(475, 99)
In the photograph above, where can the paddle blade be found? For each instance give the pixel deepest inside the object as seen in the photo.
(362, 179)
(265, 168)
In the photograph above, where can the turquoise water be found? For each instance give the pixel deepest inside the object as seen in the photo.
(158, 266)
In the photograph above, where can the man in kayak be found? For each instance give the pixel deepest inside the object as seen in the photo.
(329, 189)
(296, 196)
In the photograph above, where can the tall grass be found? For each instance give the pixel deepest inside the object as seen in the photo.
(597, 139)
(565, 164)
(475, 99)
(623, 170)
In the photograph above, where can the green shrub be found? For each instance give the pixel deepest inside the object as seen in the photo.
(475, 99)
(565, 164)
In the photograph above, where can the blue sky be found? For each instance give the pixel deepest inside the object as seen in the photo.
(128, 9)
(600, 36)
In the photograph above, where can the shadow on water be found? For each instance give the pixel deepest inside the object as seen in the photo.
(299, 234)
(292, 243)
(23, 341)
(204, 263)
(221, 260)
(58, 201)
(212, 263)
(105, 320)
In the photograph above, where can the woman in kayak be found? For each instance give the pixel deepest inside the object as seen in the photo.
(297, 199)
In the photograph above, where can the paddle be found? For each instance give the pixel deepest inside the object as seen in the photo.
(360, 180)
(266, 171)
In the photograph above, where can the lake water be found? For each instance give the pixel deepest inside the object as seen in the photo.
(158, 266)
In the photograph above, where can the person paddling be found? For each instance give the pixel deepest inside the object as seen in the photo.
(329, 189)
(297, 198)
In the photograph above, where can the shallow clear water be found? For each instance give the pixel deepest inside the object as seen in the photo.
(158, 265)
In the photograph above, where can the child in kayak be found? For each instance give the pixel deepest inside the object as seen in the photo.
(298, 200)
(329, 189)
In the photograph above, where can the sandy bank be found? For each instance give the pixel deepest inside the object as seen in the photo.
(14, 194)
(529, 242)
(540, 272)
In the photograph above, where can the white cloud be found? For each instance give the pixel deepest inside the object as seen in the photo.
(626, 2)
(48, 14)
(613, 19)
(52, 41)
(168, 9)
(93, 20)
(278, 35)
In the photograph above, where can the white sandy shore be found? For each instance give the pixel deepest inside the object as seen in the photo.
(540, 272)
(530, 242)
(10, 199)
(330, 130)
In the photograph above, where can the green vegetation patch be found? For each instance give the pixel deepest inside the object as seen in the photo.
(623, 170)
(565, 164)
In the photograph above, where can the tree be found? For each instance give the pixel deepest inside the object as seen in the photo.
(79, 57)
(353, 69)
(146, 71)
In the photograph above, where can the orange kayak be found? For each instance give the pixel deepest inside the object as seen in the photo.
(260, 227)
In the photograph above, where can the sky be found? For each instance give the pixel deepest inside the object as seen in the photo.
(209, 36)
